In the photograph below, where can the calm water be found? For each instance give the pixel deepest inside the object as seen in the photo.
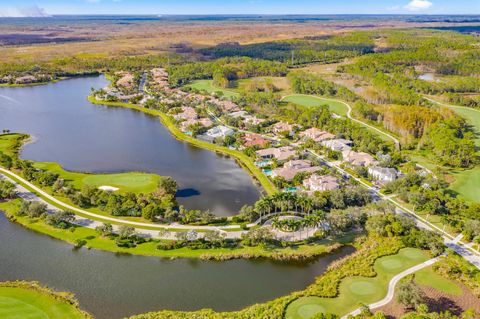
(90, 138)
(112, 286)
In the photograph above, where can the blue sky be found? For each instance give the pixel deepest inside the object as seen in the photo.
(39, 7)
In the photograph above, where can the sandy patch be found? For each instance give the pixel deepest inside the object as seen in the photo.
(108, 188)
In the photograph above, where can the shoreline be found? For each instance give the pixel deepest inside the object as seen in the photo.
(302, 252)
(242, 159)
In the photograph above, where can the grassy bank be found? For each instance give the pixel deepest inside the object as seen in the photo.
(242, 159)
(149, 248)
(22, 299)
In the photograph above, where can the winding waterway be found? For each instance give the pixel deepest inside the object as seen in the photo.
(85, 137)
(92, 138)
(113, 286)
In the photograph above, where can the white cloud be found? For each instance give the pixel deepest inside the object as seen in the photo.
(24, 12)
(418, 5)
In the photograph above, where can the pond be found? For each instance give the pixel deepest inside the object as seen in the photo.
(112, 286)
(84, 137)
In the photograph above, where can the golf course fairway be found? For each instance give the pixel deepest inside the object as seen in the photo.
(354, 291)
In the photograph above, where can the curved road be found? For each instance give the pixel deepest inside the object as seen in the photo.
(391, 287)
(349, 115)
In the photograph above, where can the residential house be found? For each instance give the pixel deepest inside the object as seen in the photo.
(281, 127)
(358, 158)
(25, 79)
(251, 140)
(188, 113)
(219, 131)
(317, 135)
(126, 80)
(339, 145)
(253, 120)
(205, 122)
(321, 183)
(293, 167)
(383, 174)
(281, 154)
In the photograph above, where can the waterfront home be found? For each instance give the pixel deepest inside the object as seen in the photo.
(25, 79)
(219, 131)
(317, 135)
(339, 145)
(383, 174)
(126, 80)
(281, 154)
(188, 113)
(293, 167)
(204, 122)
(321, 183)
(357, 158)
(281, 127)
(251, 140)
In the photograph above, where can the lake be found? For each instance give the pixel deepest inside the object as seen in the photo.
(84, 137)
(112, 286)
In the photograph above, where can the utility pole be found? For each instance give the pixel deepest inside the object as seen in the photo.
(293, 56)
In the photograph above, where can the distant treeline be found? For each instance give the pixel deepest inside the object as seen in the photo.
(300, 51)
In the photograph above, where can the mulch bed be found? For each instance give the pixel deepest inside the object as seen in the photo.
(437, 301)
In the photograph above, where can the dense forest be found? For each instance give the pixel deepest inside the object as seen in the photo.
(324, 49)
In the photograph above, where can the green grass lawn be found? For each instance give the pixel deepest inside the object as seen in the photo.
(428, 277)
(22, 303)
(207, 86)
(126, 182)
(354, 291)
(467, 184)
(315, 101)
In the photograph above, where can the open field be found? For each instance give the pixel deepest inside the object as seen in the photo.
(354, 291)
(19, 303)
(315, 101)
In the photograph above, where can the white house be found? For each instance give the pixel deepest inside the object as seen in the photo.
(383, 174)
(220, 131)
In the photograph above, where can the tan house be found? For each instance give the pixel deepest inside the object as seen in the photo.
(250, 140)
(205, 122)
(126, 80)
(281, 154)
(281, 127)
(358, 158)
(321, 183)
(292, 168)
(188, 113)
(317, 135)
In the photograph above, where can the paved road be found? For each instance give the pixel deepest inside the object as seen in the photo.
(465, 250)
(349, 115)
(391, 287)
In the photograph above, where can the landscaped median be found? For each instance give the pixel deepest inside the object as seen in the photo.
(241, 158)
(21, 299)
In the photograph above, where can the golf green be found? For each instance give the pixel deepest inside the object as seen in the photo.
(354, 291)
(22, 303)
